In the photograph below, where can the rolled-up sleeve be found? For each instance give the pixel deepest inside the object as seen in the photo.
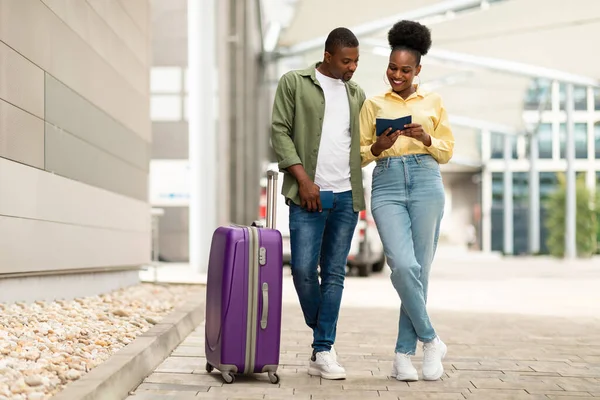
(367, 132)
(442, 139)
(282, 122)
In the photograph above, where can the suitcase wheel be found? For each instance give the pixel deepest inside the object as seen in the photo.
(209, 368)
(228, 377)
(273, 377)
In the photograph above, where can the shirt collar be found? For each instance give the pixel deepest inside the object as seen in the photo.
(311, 72)
(418, 93)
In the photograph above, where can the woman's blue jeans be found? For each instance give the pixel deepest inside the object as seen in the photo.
(407, 204)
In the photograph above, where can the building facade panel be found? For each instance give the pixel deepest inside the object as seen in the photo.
(21, 136)
(53, 46)
(35, 246)
(74, 138)
(95, 31)
(69, 111)
(22, 82)
(117, 18)
(71, 157)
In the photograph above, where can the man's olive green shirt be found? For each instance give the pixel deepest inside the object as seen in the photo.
(296, 127)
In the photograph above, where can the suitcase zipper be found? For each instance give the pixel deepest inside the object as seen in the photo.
(251, 322)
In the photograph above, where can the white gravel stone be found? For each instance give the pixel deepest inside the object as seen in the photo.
(46, 345)
(34, 380)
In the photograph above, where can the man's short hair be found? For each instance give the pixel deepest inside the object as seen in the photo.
(340, 38)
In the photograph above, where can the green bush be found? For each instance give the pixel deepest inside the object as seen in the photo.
(588, 231)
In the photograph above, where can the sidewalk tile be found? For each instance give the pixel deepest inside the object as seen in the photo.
(172, 387)
(181, 365)
(185, 379)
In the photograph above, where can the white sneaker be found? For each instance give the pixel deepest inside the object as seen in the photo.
(326, 366)
(403, 369)
(333, 353)
(434, 353)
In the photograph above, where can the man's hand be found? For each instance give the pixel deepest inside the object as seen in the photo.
(384, 142)
(310, 195)
(416, 131)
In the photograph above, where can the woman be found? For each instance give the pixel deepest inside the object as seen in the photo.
(408, 195)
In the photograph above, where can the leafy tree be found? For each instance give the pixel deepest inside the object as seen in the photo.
(588, 231)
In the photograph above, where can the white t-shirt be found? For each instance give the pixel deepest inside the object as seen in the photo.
(333, 162)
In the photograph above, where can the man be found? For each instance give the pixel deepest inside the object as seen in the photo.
(315, 135)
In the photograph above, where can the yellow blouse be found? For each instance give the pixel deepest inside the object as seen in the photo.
(426, 109)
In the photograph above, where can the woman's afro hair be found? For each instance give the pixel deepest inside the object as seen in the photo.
(411, 35)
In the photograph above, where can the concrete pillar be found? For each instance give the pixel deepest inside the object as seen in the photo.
(223, 128)
(202, 137)
(239, 114)
(534, 195)
(486, 210)
(591, 147)
(571, 212)
(486, 193)
(508, 196)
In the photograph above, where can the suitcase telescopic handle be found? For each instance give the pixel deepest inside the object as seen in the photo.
(272, 177)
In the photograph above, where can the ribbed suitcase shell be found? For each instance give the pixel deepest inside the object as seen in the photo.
(243, 302)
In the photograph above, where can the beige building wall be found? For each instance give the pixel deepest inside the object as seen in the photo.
(75, 136)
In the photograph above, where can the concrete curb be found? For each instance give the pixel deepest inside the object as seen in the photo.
(128, 367)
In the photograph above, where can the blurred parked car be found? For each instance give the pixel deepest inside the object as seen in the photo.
(366, 251)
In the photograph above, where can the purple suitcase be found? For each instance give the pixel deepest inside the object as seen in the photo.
(243, 298)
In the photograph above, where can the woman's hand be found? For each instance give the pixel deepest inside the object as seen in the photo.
(384, 141)
(416, 131)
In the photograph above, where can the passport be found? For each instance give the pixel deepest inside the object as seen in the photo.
(381, 124)
(326, 199)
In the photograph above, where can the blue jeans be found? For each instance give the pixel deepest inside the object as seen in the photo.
(321, 238)
(407, 204)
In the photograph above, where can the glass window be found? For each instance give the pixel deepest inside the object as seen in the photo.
(520, 188)
(545, 141)
(497, 188)
(597, 99)
(165, 107)
(520, 212)
(548, 184)
(497, 214)
(579, 96)
(540, 90)
(497, 143)
(597, 139)
(580, 140)
(529, 127)
(165, 80)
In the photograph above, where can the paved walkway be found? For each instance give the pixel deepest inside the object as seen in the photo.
(521, 329)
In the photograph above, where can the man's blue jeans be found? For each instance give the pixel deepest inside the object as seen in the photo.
(321, 238)
(408, 203)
